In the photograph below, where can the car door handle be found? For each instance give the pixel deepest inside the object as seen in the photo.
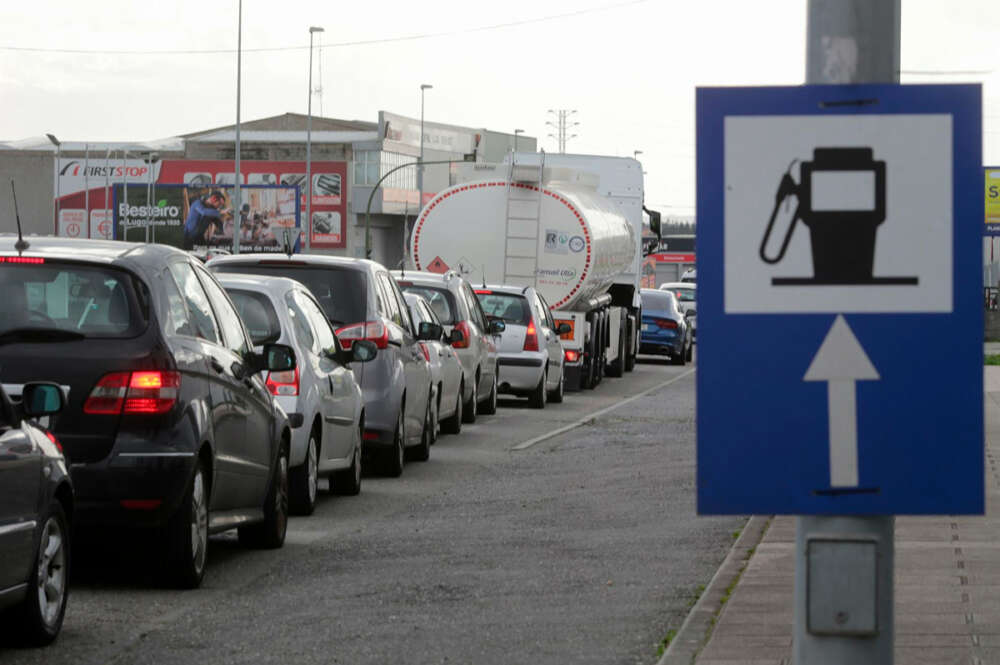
(217, 366)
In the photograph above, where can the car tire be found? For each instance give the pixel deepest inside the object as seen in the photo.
(537, 397)
(556, 396)
(270, 534)
(453, 423)
(304, 478)
(678, 359)
(39, 617)
(422, 451)
(394, 458)
(470, 408)
(347, 482)
(489, 406)
(436, 416)
(187, 534)
(690, 353)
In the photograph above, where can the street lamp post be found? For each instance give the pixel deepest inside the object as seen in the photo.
(309, 119)
(420, 160)
(238, 198)
(516, 132)
(58, 146)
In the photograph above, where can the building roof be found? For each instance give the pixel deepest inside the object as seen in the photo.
(43, 144)
(290, 122)
(227, 135)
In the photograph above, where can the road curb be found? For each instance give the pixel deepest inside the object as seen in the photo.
(696, 629)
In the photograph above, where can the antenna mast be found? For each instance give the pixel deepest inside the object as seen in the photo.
(20, 245)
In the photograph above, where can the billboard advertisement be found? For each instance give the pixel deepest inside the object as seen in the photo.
(992, 183)
(76, 178)
(200, 217)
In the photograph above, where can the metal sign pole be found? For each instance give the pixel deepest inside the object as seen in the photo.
(848, 41)
(86, 187)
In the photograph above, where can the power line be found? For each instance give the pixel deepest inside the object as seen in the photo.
(363, 42)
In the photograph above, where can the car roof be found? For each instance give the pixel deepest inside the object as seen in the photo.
(677, 285)
(424, 277)
(85, 249)
(259, 283)
(318, 260)
(509, 289)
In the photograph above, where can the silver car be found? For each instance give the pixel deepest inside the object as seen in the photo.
(473, 337)
(446, 369)
(362, 301)
(531, 355)
(323, 401)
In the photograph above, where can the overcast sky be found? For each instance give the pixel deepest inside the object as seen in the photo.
(628, 68)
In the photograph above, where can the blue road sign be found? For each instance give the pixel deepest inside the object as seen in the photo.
(840, 356)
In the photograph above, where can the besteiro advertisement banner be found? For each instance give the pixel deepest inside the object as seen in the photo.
(195, 217)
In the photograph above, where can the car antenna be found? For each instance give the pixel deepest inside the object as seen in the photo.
(20, 245)
(287, 243)
(484, 276)
(402, 268)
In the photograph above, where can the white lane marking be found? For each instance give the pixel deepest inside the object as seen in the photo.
(586, 419)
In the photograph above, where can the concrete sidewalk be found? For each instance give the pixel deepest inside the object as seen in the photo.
(947, 583)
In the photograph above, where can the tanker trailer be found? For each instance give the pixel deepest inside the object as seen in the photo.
(567, 225)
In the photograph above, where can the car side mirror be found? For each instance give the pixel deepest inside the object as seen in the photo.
(363, 350)
(429, 331)
(497, 326)
(456, 336)
(274, 358)
(689, 314)
(41, 399)
(563, 329)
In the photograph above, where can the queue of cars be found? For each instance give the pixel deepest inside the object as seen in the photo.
(145, 389)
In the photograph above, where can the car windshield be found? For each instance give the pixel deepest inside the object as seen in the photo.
(511, 308)
(258, 314)
(440, 299)
(341, 292)
(683, 294)
(75, 299)
(657, 300)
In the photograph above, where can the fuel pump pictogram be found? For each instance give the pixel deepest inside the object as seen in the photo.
(841, 198)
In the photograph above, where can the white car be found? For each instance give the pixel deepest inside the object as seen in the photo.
(690, 276)
(687, 296)
(531, 355)
(446, 369)
(323, 401)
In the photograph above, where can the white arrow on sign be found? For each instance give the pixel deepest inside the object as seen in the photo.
(840, 362)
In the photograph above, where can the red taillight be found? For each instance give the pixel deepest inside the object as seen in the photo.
(373, 331)
(463, 327)
(146, 392)
(572, 356)
(531, 338)
(53, 439)
(666, 324)
(108, 395)
(141, 504)
(484, 292)
(370, 436)
(426, 352)
(152, 392)
(22, 259)
(285, 384)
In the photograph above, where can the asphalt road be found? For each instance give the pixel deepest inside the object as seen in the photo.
(582, 548)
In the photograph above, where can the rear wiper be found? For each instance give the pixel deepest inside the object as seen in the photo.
(39, 335)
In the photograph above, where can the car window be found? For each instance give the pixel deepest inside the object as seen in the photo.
(320, 324)
(258, 315)
(540, 312)
(95, 301)
(475, 311)
(429, 314)
(175, 320)
(416, 311)
(342, 292)
(658, 300)
(549, 321)
(202, 317)
(510, 307)
(391, 304)
(234, 337)
(300, 323)
(441, 300)
(404, 311)
(683, 294)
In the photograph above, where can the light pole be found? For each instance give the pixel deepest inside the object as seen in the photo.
(420, 160)
(516, 132)
(309, 123)
(237, 199)
(58, 146)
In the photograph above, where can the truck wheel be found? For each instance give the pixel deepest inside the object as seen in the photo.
(617, 367)
(537, 397)
(631, 352)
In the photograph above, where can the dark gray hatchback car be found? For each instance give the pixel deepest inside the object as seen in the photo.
(36, 509)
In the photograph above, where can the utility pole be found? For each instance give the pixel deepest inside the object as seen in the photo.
(847, 42)
(563, 126)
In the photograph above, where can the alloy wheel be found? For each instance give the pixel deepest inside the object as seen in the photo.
(51, 571)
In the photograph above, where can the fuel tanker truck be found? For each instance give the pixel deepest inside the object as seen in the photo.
(568, 225)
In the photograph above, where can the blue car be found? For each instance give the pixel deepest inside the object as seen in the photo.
(665, 330)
